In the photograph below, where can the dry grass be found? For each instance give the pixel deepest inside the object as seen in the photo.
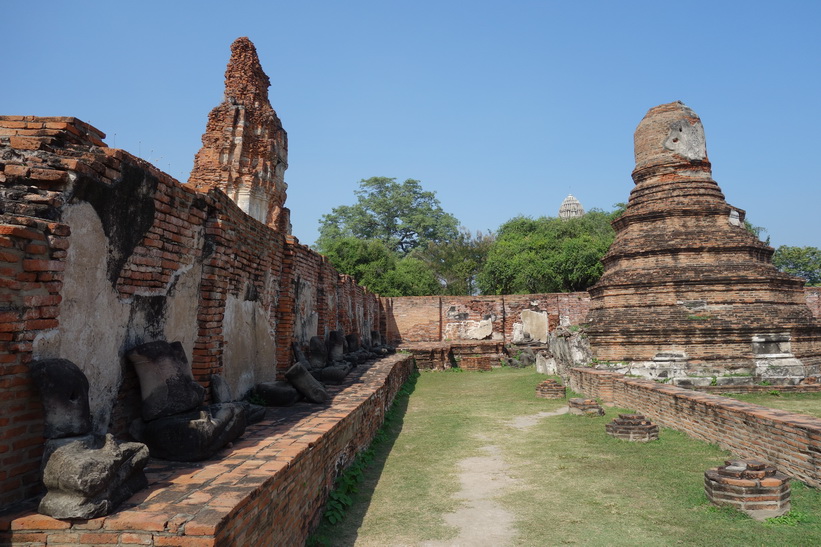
(574, 485)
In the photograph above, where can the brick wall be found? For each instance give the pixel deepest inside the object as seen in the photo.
(269, 488)
(439, 318)
(100, 251)
(791, 442)
(413, 319)
(813, 295)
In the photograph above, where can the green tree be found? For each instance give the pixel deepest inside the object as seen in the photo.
(801, 261)
(548, 254)
(366, 260)
(456, 262)
(411, 277)
(377, 268)
(402, 216)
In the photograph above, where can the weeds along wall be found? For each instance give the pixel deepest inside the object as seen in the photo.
(100, 251)
(791, 442)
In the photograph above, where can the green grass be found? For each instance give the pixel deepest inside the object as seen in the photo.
(802, 403)
(575, 485)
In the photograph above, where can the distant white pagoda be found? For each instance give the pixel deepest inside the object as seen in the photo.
(571, 208)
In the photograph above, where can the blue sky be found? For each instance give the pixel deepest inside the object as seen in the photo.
(500, 108)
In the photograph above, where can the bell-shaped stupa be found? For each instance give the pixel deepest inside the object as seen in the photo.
(687, 290)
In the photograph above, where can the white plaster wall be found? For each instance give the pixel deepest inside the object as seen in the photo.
(249, 356)
(97, 327)
(181, 308)
(535, 324)
(306, 321)
(93, 321)
(470, 330)
(332, 301)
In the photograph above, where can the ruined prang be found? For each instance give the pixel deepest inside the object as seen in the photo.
(687, 290)
(244, 149)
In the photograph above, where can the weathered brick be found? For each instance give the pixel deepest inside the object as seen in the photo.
(21, 232)
(26, 143)
(683, 276)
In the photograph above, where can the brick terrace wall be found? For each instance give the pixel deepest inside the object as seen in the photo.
(320, 300)
(813, 295)
(268, 489)
(163, 262)
(561, 308)
(791, 442)
(413, 319)
(434, 318)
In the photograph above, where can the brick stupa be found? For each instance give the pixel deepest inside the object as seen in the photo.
(244, 149)
(686, 289)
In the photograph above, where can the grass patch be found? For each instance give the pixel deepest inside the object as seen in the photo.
(574, 484)
(802, 403)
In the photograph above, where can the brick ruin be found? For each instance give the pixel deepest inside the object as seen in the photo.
(750, 486)
(687, 291)
(244, 149)
(632, 427)
(101, 251)
(788, 441)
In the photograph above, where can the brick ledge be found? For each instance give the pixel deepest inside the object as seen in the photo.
(268, 488)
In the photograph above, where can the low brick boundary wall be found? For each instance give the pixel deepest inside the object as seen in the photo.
(468, 355)
(268, 489)
(791, 442)
(740, 390)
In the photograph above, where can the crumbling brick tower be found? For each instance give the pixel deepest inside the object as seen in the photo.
(687, 290)
(244, 149)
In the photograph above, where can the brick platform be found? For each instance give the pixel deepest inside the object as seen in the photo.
(550, 389)
(268, 489)
(750, 486)
(467, 355)
(585, 407)
(432, 356)
(478, 355)
(632, 427)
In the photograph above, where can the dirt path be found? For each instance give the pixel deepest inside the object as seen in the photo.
(483, 522)
(523, 422)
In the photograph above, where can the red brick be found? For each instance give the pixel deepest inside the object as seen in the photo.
(36, 249)
(69, 538)
(99, 538)
(40, 265)
(42, 324)
(21, 232)
(51, 175)
(136, 520)
(35, 521)
(92, 524)
(184, 541)
(135, 539)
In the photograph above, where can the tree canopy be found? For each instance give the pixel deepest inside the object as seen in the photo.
(398, 241)
(548, 254)
(379, 269)
(457, 262)
(402, 216)
(801, 261)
